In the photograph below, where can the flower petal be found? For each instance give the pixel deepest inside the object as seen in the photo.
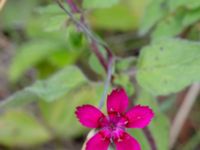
(98, 142)
(139, 116)
(127, 142)
(117, 101)
(90, 116)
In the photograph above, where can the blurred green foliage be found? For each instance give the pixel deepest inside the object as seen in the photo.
(65, 67)
(164, 61)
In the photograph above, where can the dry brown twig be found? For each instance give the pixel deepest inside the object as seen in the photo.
(2, 3)
(183, 113)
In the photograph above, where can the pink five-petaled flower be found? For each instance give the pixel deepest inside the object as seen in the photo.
(111, 128)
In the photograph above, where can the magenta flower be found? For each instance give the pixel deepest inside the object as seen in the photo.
(111, 128)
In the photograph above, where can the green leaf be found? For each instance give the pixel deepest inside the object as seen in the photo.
(99, 3)
(118, 17)
(60, 115)
(158, 127)
(176, 23)
(51, 9)
(190, 4)
(9, 19)
(62, 58)
(191, 17)
(169, 27)
(95, 64)
(125, 64)
(169, 65)
(55, 23)
(124, 81)
(53, 18)
(76, 40)
(21, 129)
(48, 90)
(30, 54)
(47, 18)
(58, 84)
(140, 137)
(155, 11)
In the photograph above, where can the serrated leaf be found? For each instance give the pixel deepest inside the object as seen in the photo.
(60, 115)
(21, 129)
(169, 65)
(30, 54)
(48, 90)
(99, 3)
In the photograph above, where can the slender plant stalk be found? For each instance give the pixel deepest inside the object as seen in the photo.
(99, 55)
(150, 138)
(183, 113)
(94, 41)
(2, 3)
(80, 25)
(73, 6)
(107, 82)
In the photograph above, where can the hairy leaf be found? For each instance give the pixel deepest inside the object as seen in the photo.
(169, 65)
(48, 90)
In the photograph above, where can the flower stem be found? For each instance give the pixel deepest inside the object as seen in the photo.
(98, 54)
(107, 82)
(94, 41)
(80, 25)
(150, 138)
(73, 6)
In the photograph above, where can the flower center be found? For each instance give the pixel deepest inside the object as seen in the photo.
(116, 123)
(112, 126)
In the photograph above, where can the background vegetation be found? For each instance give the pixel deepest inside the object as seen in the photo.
(49, 64)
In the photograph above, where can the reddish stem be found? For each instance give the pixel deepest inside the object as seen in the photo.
(150, 138)
(73, 6)
(98, 54)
